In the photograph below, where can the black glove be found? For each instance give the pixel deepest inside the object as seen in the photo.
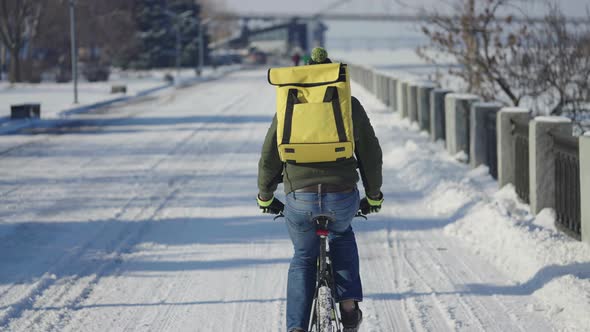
(273, 205)
(369, 205)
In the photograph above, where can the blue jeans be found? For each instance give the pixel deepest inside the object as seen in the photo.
(300, 208)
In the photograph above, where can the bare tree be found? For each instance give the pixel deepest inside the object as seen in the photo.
(105, 30)
(107, 25)
(218, 29)
(19, 20)
(481, 41)
(555, 59)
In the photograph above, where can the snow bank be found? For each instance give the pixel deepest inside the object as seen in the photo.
(542, 260)
(498, 227)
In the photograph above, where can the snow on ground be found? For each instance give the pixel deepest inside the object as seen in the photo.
(142, 218)
(58, 97)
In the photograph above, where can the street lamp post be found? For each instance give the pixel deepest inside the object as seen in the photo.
(200, 62)
(201, 25)
(74, 50)
(177, 21)
(178, 49)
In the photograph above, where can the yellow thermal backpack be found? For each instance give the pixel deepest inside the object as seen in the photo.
(314, 113)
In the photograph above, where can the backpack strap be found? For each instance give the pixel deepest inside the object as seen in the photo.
(332, 96)
(291, 101)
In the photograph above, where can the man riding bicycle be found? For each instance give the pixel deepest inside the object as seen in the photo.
(323, 188)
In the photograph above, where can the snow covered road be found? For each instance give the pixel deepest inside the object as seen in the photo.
(143, 218)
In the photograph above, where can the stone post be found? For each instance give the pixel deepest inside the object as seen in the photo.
(380, 88)
(393, 103)
(424, 90)
(585, 186)
(366, 79)
(402, 93)
(375, 83)
(457, 108)
(478, 137)
(437, 114)
(413, 102)
(506, 153)
(386, 83)
(542, 160)
(386, 89)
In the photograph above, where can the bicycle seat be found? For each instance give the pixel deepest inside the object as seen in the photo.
(319, 217)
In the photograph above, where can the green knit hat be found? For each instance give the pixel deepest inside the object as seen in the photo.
(319, 55)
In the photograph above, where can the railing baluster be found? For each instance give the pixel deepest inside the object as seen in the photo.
(567, 184)
(522, 162)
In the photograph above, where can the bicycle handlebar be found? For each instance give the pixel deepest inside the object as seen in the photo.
(359, 214)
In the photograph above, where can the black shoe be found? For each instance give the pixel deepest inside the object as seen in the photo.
(351, 320)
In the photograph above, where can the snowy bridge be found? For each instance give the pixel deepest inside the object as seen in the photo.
(141, 217)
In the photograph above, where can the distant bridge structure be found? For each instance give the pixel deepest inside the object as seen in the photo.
(365, 17)
(285, 33)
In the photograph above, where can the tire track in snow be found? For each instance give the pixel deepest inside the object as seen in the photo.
(238, 311)
(456, 323)
(48, 279)
(123, 242)
(36, 293)
(166, 318)
(490, 306)
(127, 243)
(392, 314)
(429, 320)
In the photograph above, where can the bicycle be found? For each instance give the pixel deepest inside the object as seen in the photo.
(324, 315)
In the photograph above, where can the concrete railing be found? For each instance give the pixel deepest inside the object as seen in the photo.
(490, 135)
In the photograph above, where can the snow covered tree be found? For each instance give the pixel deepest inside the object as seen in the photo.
(153, 33)
(158, 22)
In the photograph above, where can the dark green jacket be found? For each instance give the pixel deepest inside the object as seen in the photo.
(294, 176)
